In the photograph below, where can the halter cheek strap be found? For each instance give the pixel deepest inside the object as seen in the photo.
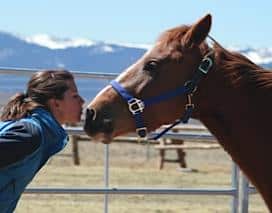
(136, 106)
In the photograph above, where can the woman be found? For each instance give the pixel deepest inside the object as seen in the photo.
(31, 131)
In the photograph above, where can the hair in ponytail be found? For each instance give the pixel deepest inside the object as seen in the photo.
(42, 86)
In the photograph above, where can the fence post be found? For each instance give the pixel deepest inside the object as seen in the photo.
(243, 193)
(235, 185)
(106, 177)
(74, 142)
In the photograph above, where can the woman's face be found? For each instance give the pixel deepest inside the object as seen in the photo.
(68, 109)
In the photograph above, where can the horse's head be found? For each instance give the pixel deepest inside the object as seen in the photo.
(167, 66)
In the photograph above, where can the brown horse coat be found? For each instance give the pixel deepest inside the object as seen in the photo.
(234, 101)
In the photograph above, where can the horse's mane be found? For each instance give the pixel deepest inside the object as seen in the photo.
(241, 71)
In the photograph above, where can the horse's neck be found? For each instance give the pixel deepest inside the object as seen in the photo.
(239, 115)
(231, 113)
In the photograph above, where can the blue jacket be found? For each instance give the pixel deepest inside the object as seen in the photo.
(40, 128)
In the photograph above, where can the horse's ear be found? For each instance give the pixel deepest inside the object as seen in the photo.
(198, 32)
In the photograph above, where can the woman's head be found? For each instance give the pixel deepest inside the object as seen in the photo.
(48, 84)
(47, 89)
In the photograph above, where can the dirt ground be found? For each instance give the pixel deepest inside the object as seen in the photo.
(134, 166)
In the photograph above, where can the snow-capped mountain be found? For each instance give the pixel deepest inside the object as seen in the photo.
(41, 52)
(79, 54)
(261, 56)
(58, 43)
(63, 43)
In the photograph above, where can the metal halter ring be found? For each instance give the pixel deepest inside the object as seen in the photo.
(135, 106)
(142, 132)
(205, 65)
(189, 104)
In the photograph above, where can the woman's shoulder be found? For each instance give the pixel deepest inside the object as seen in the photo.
(23, 129)
(18, 139)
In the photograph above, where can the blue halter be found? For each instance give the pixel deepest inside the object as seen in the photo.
(136, 106)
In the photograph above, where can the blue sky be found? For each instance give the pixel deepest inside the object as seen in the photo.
(235, 23)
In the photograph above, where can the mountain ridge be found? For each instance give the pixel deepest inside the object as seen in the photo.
(43, 51)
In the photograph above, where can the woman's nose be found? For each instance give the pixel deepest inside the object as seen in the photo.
(82, 100)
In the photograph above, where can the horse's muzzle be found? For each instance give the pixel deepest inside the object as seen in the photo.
(97, 122)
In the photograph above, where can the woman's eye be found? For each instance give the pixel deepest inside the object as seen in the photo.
(151, 67)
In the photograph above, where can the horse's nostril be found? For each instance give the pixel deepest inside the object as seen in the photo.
(98, 121)
(91, 114)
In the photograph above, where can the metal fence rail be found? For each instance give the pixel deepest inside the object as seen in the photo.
(78, 74)
(239, 190)
(157, 191)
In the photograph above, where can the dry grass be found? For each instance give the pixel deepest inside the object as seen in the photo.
(129, 167)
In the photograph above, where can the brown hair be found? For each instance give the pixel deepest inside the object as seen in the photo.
(42, 86)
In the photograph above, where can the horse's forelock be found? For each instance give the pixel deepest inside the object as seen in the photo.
(174, 34)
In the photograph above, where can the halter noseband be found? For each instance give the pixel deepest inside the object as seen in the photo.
(136, 106)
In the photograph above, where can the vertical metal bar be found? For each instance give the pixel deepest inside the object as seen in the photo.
(243, 193)
(235, 185)
(106, 177)
(106, 174)
(147, 150)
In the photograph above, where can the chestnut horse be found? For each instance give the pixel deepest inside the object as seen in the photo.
(228, 93)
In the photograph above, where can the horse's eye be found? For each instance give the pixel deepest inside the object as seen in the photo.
(151, 66)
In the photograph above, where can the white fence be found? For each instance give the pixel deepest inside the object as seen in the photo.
(239, 190)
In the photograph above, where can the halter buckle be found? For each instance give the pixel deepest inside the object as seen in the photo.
(187, 106)
(205, 65)
(142, 132)
(135, 106)
(191, 87)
